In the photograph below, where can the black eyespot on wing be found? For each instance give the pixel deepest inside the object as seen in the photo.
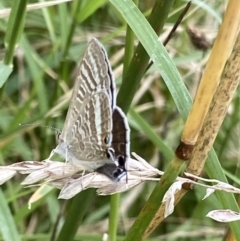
(108, 154)
(107, 139)
(118, 173)
(121, 162)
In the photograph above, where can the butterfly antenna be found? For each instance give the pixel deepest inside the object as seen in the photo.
(37, 125)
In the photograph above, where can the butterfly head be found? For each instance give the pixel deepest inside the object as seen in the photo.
(115, 171)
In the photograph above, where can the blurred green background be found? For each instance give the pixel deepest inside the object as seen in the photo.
(45, 61)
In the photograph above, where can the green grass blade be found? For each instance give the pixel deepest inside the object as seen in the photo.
(49, 23)
(15, 28)
(64, 27)
(34, 62)
(76, 211)
(151, 134)
(113, 217)
(172, 78)
(7, 225)
(5, 71)
(148, 38)
(157, 53)
(89, 8)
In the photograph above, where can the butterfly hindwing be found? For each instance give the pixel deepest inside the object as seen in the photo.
(120, 144)
(120, 133)
(90, 134)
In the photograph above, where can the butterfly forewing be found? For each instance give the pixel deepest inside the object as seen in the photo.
(94, 75)
(87, 130)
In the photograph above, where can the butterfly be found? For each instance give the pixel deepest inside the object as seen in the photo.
(96, 133)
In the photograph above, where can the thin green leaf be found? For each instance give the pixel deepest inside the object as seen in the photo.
(76, 211)
(151, 134)
(34, 62)
(49, 23)
(157, 53)
(7, 225)
(15, 28)
(172, 78)
(89, 8)
(5, 71)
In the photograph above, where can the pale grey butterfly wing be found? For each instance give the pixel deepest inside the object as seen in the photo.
(94, 75)
(91, 132)
(86, 134)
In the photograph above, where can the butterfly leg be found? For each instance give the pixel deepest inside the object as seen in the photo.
(51, 154)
